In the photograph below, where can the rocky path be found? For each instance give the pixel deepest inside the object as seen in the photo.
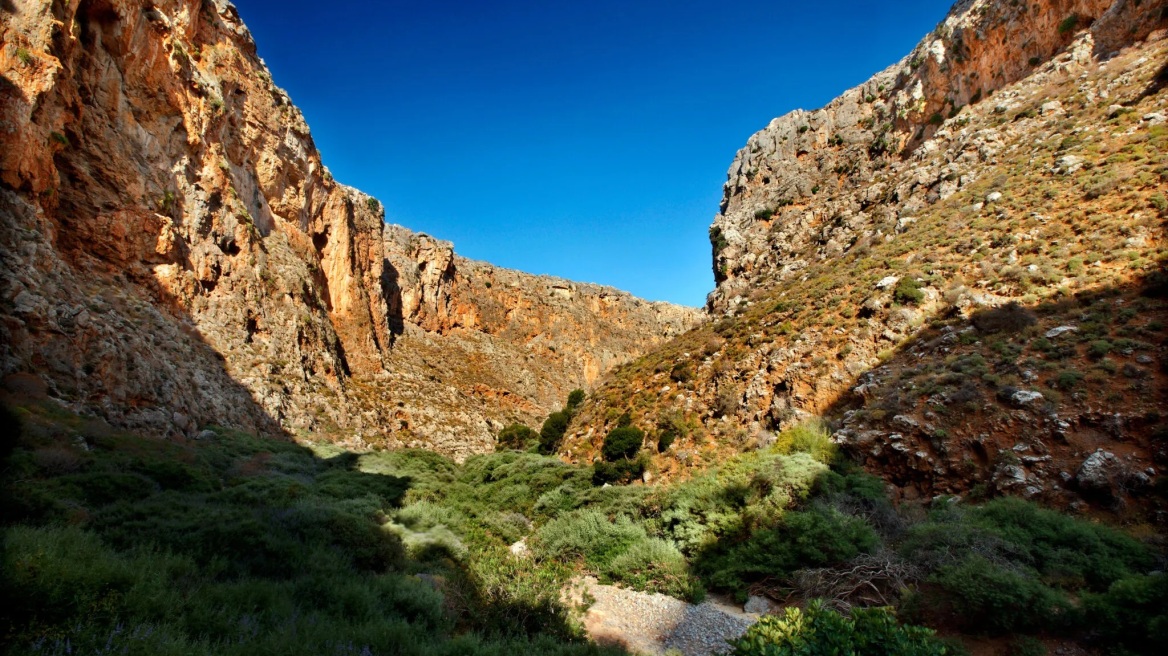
(647, 623)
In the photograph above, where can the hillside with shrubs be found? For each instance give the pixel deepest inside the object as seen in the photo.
(983, 313)
(924, 413)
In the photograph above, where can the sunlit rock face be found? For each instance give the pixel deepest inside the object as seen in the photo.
(176, 255)
(827, 177)
(865, 251)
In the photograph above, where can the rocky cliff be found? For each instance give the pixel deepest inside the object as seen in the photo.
(959, 264)
(176, 255)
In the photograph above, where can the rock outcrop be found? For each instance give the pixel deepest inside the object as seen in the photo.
(905, 262)
(176, 255)
(821, 178)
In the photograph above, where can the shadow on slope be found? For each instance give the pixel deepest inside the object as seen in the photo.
(228, 544)
(1023, 400)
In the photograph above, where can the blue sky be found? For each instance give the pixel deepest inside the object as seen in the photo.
(587, 140)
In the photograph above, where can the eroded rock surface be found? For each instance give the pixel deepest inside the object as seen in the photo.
(176, 255)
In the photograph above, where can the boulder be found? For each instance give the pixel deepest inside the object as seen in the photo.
(1099, 472)
(757, 605)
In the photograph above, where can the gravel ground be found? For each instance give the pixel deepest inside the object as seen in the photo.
(653, 623)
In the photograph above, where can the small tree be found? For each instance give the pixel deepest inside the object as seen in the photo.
(908, 291)
(622, 443)
(516, 436)
(551, 434)
(575, 398)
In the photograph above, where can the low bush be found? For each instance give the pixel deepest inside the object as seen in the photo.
(908, 290)
(1009, 318)
(811, 438)
(575, 398)
(818, 631)
(1132, 614)
(818, 537)
(517, 437)
(588, 536)
(622, 442)
(551, 434)
(983, 596)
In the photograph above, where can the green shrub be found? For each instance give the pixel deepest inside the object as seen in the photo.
(621, 471)
(1068, 379)
(1026, 646)
(821, 631)
(551, 434)
(575, 398)
(1068, 24)
(1159, 202)
(1064, 551)
(373, 204)
(1098, 348)
(589, 536)
(811, 438)
(622, 442)
(988, 597)
(655, 565)
(1009, 318)
(517, 437)
(720, 505)
(818, 537)
(1132, 613)
(908, 290)
(1007, 566)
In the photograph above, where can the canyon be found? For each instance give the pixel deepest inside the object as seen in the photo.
(176, 255)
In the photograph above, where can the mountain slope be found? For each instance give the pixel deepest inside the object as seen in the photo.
(175, 254)
(873, 231)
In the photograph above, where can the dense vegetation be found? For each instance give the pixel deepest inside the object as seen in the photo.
(237, 544)
(115, 543)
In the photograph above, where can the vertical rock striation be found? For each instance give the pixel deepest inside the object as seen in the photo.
(174, 252)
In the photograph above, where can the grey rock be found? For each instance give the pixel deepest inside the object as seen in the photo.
(1024, 398)
(1067, 164)
(1099, 471)
(757, 605)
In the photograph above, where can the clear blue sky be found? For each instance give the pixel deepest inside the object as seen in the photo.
(587, 140)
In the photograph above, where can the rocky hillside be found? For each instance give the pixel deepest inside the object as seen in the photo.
(868, 255)
(175, 254)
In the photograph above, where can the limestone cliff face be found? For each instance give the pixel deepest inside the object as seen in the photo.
(511, 344)
(867, 254)
(174, 252)
(821, 178)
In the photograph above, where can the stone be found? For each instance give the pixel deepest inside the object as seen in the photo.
(206, 435)
(520, 549)
(1024, 398)
(1061, 330)
(757, 605)
(1067, 164)
(1051, 108)
(993, 197)
(887, 281)
(1098, 473)
(905, 422)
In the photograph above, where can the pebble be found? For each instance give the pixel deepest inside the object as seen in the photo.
(650, 623)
